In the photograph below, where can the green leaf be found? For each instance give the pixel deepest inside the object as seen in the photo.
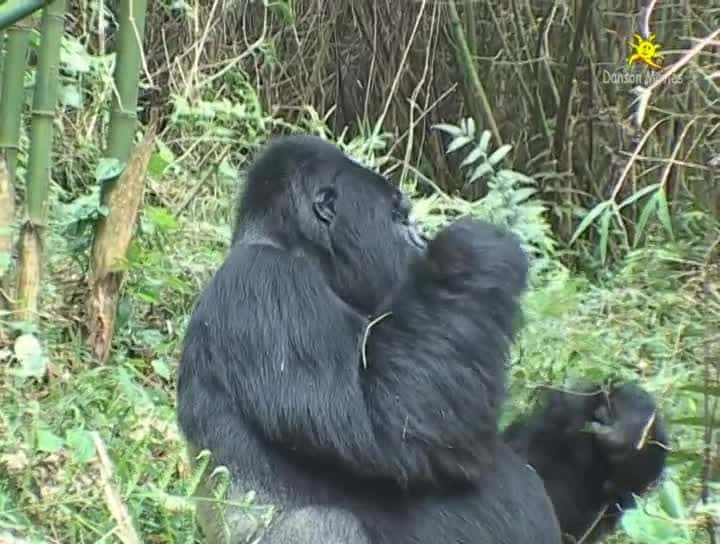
(457, 143)
(5, 261)
(589, 218)
(480, 171)
(649, 207)
(712, 390)
(637, 196)
(82, 445)
(161, 159)
(48, 441)
(473, 156)
(469, 126)
(450, 129)
(157, 165)
(484, 140)
(605, 233)
(108, 168)
(520, 195)
(664, 212)
(161, 218)
(499, 154)
(672, 502)
(162, 369)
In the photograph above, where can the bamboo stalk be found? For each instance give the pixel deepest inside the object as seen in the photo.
(465, 60)
(2, 58)
(122, 196)
(123, 116)
(12, 94)
(39, 161)
(13, 11)
(12, 98)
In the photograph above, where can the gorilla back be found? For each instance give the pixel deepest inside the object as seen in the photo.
(352, 373)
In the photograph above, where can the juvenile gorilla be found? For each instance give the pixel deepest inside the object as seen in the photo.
(351, 372)
(360, 434)
(594, 450)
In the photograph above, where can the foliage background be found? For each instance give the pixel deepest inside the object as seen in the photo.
(622, 218)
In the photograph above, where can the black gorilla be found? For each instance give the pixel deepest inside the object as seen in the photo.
(594, 450)
(351, 372)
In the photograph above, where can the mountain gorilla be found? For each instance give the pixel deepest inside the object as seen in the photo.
(351, 372)
(595, 451)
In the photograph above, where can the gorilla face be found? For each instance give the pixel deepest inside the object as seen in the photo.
(372, 240)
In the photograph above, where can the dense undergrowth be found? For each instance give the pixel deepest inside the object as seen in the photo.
(650, 313)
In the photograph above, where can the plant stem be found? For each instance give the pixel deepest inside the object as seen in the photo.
(14, 10)
(39, 160)
(465, 60)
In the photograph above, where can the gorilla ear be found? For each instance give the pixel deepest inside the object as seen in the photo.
(324, 204)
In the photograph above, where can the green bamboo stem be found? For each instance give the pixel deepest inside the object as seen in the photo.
(2, 58)
(123, 116)
(13, 93)
(123, 195)
(14, 10)
(44, 102)
(465, 60)
(39, 161)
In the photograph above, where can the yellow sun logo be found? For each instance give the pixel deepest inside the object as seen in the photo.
(645, 51)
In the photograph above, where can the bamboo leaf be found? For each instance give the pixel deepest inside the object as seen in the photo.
(649, 207)
(664, 213)
(605, 233)
(589, 218)
(638, 195)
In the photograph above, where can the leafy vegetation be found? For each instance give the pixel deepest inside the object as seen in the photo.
(625, 282)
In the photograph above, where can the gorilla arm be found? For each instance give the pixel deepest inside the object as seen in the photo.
(270, 345)
(436, 366)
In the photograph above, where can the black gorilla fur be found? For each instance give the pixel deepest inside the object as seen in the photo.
(360, 430)
(594, 450)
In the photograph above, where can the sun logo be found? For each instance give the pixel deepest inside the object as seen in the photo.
(645, 51)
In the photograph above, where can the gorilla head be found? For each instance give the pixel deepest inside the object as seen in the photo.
(304, 193)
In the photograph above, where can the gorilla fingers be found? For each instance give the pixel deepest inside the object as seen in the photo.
(594, 451)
